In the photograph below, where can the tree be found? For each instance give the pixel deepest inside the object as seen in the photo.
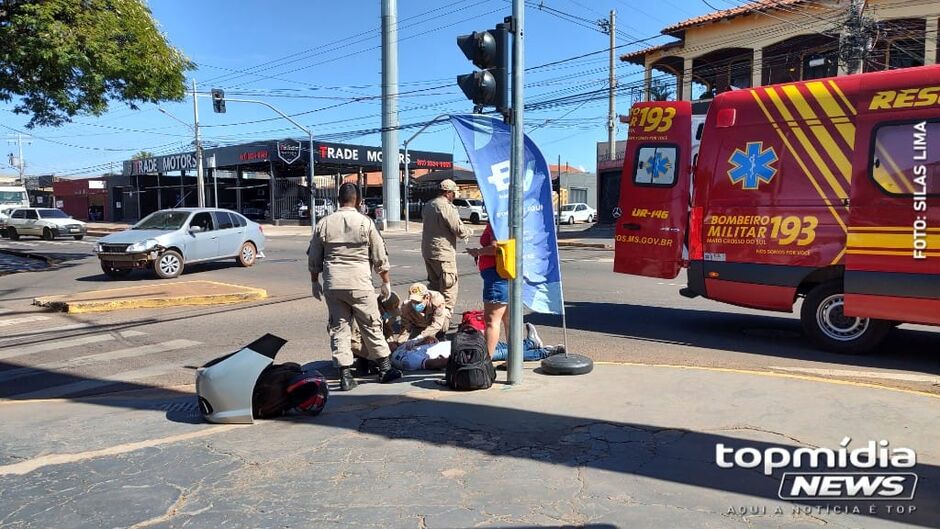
(661, 90)
(62, 58)
(142, 155)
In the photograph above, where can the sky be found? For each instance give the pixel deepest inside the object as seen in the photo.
(323, 58)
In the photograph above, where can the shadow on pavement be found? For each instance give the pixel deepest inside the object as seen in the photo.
(146, 274)
(658, 451)
(905, 349)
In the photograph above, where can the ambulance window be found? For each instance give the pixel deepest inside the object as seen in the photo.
(905, 158)
(656, 165)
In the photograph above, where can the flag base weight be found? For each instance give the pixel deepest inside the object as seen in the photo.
(567, 364)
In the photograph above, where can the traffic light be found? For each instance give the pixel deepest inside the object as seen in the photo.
(218, 101)
(489, 51)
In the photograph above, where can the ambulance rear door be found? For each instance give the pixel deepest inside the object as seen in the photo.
(655, 190)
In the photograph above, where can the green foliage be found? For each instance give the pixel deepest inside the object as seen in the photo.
(662, 90)
(62, 58)
(142, 155)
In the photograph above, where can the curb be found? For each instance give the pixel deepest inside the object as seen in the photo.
(576, 244)
(80, 307)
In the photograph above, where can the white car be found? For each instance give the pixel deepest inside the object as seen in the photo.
(577, 212)
(47, 223)
(471, 209)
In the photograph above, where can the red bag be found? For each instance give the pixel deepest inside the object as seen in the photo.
(473, 319)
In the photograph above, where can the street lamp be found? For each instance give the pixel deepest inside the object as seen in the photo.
(438, 119)
(219, 100)
(200, 178)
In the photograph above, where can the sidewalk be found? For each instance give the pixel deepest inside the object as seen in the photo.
(623, 447)
(599, 236)
(101, 229)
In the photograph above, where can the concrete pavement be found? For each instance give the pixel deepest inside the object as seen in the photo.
(623, 447)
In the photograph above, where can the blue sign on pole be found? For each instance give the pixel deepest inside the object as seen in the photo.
(488, 142)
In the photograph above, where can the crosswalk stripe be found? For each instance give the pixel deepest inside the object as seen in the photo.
(25, 319)
(26, 335)
(129, 352)
(87, 385)
(55, 345)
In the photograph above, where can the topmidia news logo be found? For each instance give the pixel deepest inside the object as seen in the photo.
(870, 472)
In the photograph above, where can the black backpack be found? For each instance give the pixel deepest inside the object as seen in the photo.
(469, 367)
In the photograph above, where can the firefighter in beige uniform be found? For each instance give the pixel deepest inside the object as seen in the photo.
(345, 247)
(424, 316)
(442, 228)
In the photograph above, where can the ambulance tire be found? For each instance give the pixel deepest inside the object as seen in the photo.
(827, 327)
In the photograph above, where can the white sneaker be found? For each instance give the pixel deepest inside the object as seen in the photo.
(533, 336)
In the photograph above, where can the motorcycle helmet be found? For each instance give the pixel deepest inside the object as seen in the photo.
(308, 393)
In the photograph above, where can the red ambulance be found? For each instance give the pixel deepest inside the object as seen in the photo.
(826, 190)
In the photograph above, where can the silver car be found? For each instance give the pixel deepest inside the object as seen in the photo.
(169, 239)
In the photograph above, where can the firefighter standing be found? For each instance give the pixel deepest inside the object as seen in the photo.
(344, 246)
(442, 227)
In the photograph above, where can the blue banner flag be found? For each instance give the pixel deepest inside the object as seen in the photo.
(488, 142)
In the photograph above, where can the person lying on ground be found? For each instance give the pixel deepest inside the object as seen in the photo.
(415, 355)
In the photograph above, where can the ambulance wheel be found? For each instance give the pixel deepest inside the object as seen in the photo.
(570, 364)
(474, 218)
(828, 327)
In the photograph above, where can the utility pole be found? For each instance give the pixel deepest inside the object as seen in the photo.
(857, 39)
(20, 163)
(517, 165)
(200, 176)
(609, 26)
(390, 163)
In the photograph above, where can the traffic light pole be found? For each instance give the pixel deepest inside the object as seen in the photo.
(312, 209)
(517, 178)
(200, 173)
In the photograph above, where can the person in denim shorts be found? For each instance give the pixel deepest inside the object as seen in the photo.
(495, 289)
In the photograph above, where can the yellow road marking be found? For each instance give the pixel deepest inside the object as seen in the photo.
(775, 374)
(25, 467)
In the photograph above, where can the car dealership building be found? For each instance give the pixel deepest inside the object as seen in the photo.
(264, 180)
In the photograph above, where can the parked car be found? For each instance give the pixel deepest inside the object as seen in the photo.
(371, 204)
(47, 223)
(5, 211)
(170, 239)
(577, 212)
(324, 206)
(471, 209)
(256, 209)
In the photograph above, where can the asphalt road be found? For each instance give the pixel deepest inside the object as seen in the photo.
(611, 317)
